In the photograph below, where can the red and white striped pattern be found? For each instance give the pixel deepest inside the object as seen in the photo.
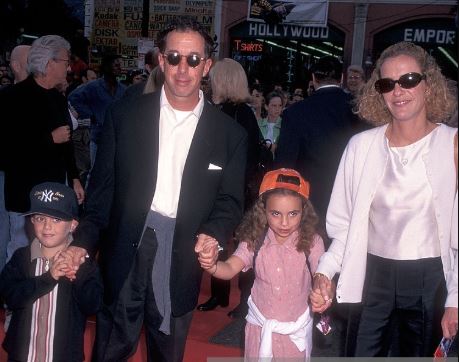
(43, 321)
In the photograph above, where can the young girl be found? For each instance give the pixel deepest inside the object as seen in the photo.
(279, 240)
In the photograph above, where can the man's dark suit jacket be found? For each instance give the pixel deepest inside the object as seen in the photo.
(313, 136)
(122, 186)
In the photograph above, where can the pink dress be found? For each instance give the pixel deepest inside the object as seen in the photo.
(281, 288)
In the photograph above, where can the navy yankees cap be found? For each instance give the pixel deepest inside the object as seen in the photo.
(55, 200)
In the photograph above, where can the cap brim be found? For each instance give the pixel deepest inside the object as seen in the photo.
(51, 213)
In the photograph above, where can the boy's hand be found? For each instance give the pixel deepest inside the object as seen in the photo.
(57, 266)
(207, 248)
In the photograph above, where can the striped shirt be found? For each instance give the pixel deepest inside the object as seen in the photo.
(41, 344)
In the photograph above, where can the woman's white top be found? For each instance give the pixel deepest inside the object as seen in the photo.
(402, 217)
(270, 131)
(360, 172)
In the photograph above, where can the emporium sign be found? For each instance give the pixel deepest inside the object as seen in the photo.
(117, 24)
(434, 32)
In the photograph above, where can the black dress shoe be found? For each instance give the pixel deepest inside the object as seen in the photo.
(211, 304)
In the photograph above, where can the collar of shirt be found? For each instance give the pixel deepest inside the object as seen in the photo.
(328, 86)
(290, 243)
(35, 248)
(264, 122)
(197, 111)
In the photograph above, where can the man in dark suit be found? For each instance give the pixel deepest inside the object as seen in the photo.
(169, 172)
(315, 132)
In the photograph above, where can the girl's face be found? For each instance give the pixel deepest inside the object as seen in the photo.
(283, 213)
(274, 108)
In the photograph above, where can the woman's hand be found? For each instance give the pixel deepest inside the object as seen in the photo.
(449, 322)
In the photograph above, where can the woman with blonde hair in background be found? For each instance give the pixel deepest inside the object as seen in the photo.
(230, 93)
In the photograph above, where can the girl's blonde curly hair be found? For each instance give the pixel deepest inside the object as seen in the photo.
(440, 102)
(254, 224)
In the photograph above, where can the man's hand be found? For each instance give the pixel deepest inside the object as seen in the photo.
(207, 248)
(79, 190)
(61, 134)
(74, 256)
(449, 322)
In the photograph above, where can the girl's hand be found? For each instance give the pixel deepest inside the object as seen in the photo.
(207, 249)
(318, 303)
(324, 286)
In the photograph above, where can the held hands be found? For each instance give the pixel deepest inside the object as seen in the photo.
(322, 294)
(74, 256)
(61, 134)
(58, 264)
(207, 249)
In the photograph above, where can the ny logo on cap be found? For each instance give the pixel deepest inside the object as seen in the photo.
(48, 195)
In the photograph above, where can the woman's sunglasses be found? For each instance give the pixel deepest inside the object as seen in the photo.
(174, 58)
(406, 81)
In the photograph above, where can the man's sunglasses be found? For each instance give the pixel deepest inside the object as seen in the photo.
(406, 81)
(174, 58)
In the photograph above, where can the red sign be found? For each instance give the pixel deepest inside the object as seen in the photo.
(248, 46)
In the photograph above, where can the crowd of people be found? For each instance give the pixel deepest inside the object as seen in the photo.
(114, 198)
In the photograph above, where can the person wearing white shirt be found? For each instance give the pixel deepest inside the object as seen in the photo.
(391, 211)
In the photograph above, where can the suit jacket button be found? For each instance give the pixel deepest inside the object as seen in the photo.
(135, 245)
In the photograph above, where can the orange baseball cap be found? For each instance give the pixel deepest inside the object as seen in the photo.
(284, 178)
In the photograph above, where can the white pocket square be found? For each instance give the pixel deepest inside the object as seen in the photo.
(214, 167)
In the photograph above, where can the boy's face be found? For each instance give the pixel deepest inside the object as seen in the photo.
(52, 232)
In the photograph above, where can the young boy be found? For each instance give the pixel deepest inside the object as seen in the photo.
(48, 310)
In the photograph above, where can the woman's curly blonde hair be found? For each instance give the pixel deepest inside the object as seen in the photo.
(440, 102)
(254, 224)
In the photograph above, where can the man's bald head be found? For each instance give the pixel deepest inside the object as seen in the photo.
(18, 62)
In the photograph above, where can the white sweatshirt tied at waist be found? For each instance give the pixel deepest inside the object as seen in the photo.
(299, 331)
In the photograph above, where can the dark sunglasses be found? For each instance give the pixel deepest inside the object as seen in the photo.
(174, 58)
(406, 81)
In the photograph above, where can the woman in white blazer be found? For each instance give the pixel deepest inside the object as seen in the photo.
(391, 213)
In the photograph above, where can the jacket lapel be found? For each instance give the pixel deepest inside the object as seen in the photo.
(201, 145)
(145, 127)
